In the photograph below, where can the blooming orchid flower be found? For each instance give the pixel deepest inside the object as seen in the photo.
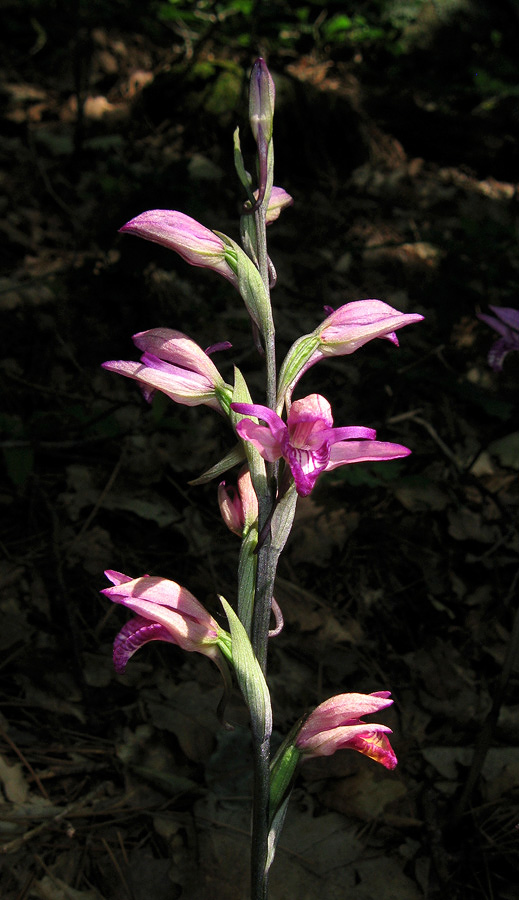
(354, 324)
(337, 725)
(177, 366)
(165, 612)
(308, 442)
(195, 243)
(342, 332)
(507, 325)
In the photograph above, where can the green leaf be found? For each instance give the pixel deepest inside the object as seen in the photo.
(249, 675)
(233, 458)
(239, 165)
(275, 832)
(250, 285)
(283, 771)
(247, 567)
(296, 358)
(283, 518)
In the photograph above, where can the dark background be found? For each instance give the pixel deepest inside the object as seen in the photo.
(396, 132)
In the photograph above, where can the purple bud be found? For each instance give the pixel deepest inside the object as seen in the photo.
(261, 101)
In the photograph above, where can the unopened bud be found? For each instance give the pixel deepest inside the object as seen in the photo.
(261, 101)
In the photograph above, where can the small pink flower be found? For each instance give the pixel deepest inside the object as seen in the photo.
(358, 322)
(176, 365)
(308, 441)
(278, 201)
(194, 242)
(337, 725)
(342, 332)
(238, 507)
(165, 612)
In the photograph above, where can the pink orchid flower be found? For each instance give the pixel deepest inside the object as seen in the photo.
(308, 441)
(278, 201)
(337, 725)
(165, 612)
(177, 366)
(342, 332)
(354, 324)
(238, 507)
(192, 241)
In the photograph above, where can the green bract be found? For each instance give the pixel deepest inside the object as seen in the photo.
(294, 362)
(249, 676)
(250, 286)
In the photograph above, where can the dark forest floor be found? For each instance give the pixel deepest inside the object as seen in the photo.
(398, 577)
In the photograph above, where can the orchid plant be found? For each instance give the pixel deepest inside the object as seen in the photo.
(282, 447)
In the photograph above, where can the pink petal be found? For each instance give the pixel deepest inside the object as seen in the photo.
(508, 315)
(274, 422)
(306, 466)
(324, 743)
(376, 746)
(159, 591)
(187, 388)
(346, 452)
(348, 433)
(315, 406)
(117, 577)
(190, 239)
(261, 437)
(231, 508)
(133, 635)
(356, 323)
(176, 348)
(344, 709)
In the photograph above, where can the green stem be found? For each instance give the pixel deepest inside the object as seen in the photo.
(262, 603)
(260, 810)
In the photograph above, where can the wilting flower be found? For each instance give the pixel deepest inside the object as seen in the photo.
(337, 725)
(177, 366)
(342, 332)
(194, 242)
(239, 508)
(308, 441)
(165, 612)
(507, 325)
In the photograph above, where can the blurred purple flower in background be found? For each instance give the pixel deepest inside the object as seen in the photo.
(506, 323)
